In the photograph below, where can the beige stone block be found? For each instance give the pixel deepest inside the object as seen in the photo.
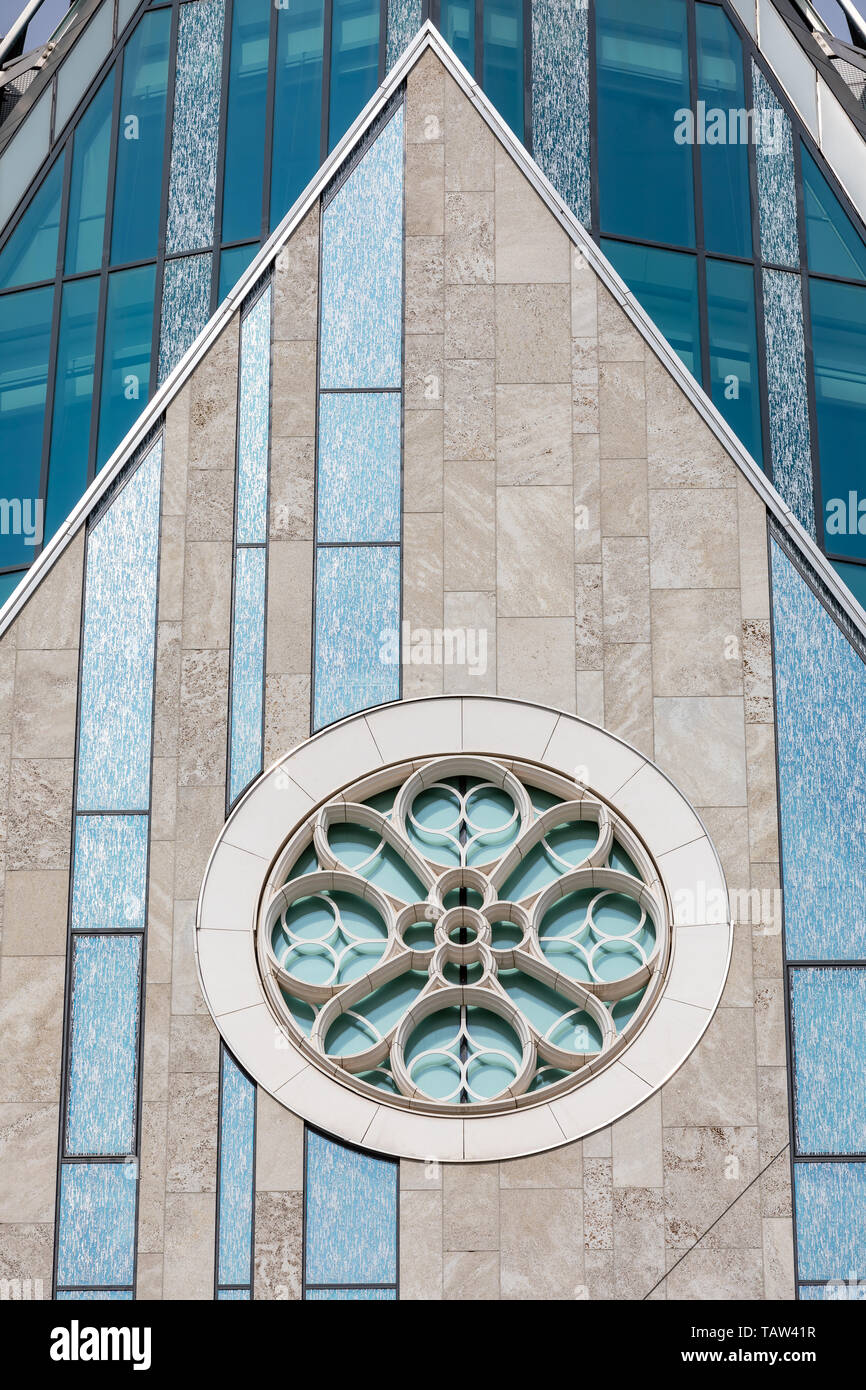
(46, 688)
(770, 1023)
(200, 818)
(716, 1084)
(584, 296)
(189, 1245)
(175, 452)
(27, 1253)
(293, 466)
(763, 812)
(207, 595)
(588, 628)
(638, 1241)
(693, 539)
(422, 461)
(425, 189)
(287, 714)
(278, 1245)
(534, 660)
(598, 1275)
(172, 553)
(40, 813)
(421, 1260)
(560, 1168)
(584, 410)
(618, 339)
(148, 1280)
(700, 743)
(622, 410)
(151, 1185)
(470, 321)
(533, 333)
(424, 293)
(587, 499)
(471, 1277)
(542, 1245)
(425, 101)
(31, 1024)
(589, 688)
(584, 362)
(474, 615)
(34, 919)
(636, 1146)
(290, 607)
(193, 1107)
(778, 1242)
(469, 145)
(469, 239)
(597, 1204)
(739, 991)
(728, 828)
(533, 436)
(28, 1162)
(423, 570)
(163, 798)
(213, 403)
(758, 671)
(752, 531)
(625, 574)
(210, 505)
(470, 427)
(195, 1044)
(51, 618)
(708, 1192)
(7, 681)
(416, 1176)
(598, 1145)
(160, 910)
(166, 697)
(295, 283)
(695, 635)
(470, 1206)
(470, 525)
(624, 498)
(279, 1146)
(531, 247)
(186, 995)
(628, 705)
(535, 552)
(293, 388)
(423, 371)
(717, 1274)
(204, 689)
(682, 449)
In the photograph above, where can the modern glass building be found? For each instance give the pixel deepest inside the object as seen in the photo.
(434, 693)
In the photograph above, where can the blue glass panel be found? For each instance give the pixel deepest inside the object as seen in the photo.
(724, 160)
(25, 332)
(833, 245)
(233, 263)
(109, 881)
(118, 647)
(245, 120)
(457, 22)
(354, 62)
(790, 446)
(195, 126)
(141, 141)
(666, 283)
(774, 159)
(96, 1295)
(89, 183)
(404, 21)
(835, 1291)
(855, 577)
(103, 1045)
(254, 400)
(357, 629)
(297, 103)
(839, 349)
(362, 270)
(126, 360)
(9, 583)
(30, 254)
(503, 59)
(734, 350)
(560, 99)
(185, 308)
(831, 1219)
(234, 1295)
(247, 668)
(821, 721)
(359, 467)
(351, 1226)
(96, 1223)
(828, 1019)
(378, 1295)
(73, 399)
(237, 1122)
(645, 177)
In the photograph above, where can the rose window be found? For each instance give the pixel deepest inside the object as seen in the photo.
(463, 931)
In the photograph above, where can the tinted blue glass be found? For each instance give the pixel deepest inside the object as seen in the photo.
(831, 1219)
(833, 245)
(248, 642)
(774, 161)
(666, 283)
(839, 347)
(821, 723)
(25, 331)
(185, 308)
(126, 360)
(245, 120)
(359, 467)
(357, 625)
(96, 1223)
(103, 1045)
(734, 350)
(97, 1295)
(354, 62)
(828, 1020)
(195, 126)
(351, 1227)
(30, 254)
(73, 398)
(503, 59)
(457, 22)
(645, 176)
(724, 156)
(404, 21)
(233, 263)
(297, 103)
(9, 583)
(109, 881)
(351, 1295)
(141, 141)
(89, 184)
(790, 435)
(237, 1123)
(560, 99)
(855, 577)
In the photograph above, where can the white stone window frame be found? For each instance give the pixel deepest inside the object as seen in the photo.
(248, 858)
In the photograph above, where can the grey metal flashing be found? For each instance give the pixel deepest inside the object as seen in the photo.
(429, 38)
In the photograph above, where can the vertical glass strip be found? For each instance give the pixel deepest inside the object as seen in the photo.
(838, 314)
(185, 308)
(833, 245)
(195, 127)
(734, 350)
(245, 120)
(109, 878)
(666, 283)
(126, 357)
(25, 336)
(357, 628)
(503, 60)
(117, 647)
(786, 387)
(727, 200)
(89, 185)
(362, 1250)
(96, 1224)
(254, 403)
(233, 263)
(237, 1133)
(298, 99)
(830, 1203)
(359, 466)
(560, 99)
(404, 21)
(69, 459)
(141, 141)
(103, 1044)
(248, 660)
(30, 254)
(828, 1025)
(774, 157)
(354, 62)
(457, 22)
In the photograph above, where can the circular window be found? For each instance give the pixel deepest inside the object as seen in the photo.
(462, 947)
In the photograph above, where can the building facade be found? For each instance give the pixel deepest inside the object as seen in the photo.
(433, 740)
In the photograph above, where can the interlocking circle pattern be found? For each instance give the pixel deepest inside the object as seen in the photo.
(464, 931)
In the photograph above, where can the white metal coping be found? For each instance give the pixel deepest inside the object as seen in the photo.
(429, 37)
